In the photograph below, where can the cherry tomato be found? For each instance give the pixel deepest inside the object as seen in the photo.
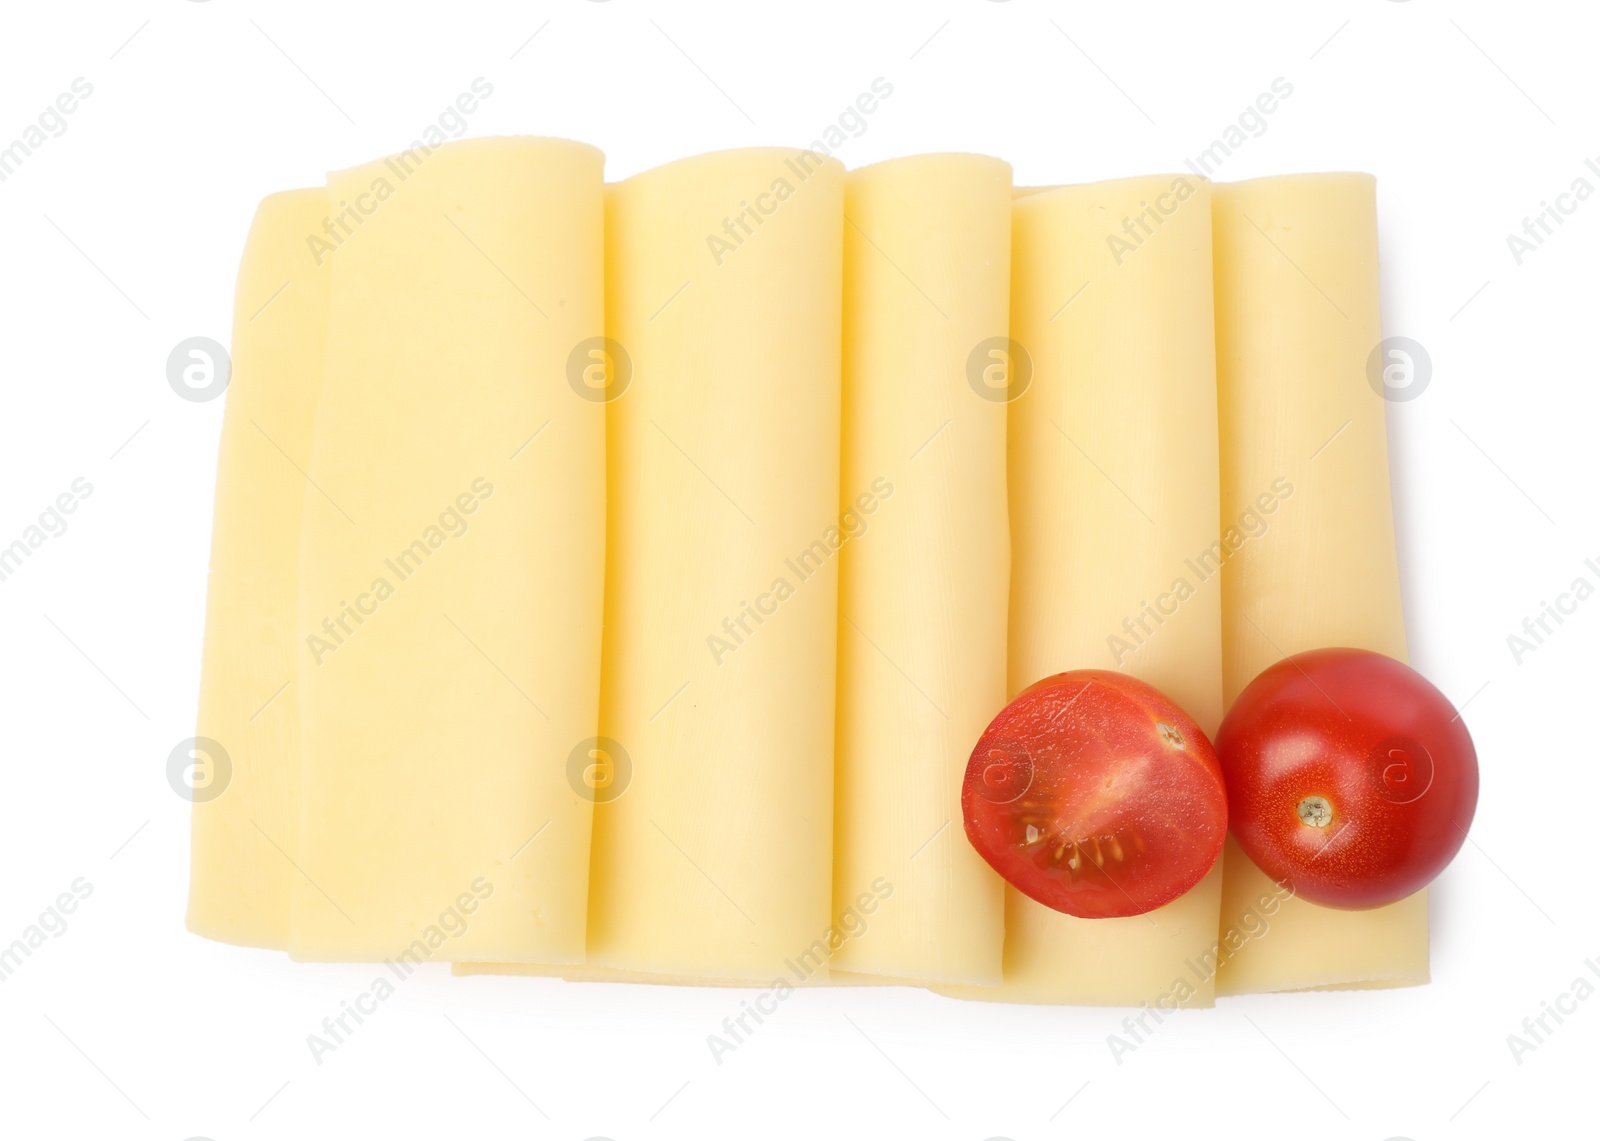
(1350, 777)
(1095, 795)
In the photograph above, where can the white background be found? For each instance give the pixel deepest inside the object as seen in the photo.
(121, 237)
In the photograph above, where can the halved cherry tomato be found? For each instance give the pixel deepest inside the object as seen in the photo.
(1095, 795)
(1350, 777)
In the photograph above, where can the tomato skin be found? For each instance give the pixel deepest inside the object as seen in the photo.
(1380, 745)
(1094, 794)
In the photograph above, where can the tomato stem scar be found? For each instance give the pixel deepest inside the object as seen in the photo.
(1315, 811)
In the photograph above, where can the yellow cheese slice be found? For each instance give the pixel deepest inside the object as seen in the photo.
(1305, 486)
(453, 559)
(246, 813)
(723, 288)
(1113, 491)
(922, 589)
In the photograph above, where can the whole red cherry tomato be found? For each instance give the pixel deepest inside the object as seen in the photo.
(1350, 777)
(1095, 795)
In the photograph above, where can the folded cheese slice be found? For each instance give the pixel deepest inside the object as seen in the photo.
(723, 288)
(1113, 492)
(923, 582)
(453, 559)
(1310, 553)
(246, 818)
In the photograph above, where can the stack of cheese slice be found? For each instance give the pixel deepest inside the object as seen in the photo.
(820, 469)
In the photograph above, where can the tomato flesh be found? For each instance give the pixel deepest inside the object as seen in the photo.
(1096, 795)
(1350, 778)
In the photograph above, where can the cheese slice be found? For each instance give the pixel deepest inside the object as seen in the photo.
(1305, 488)
(1113, 491)
(923, 584)
(246, 814)
(453, 559)
(723, 287)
